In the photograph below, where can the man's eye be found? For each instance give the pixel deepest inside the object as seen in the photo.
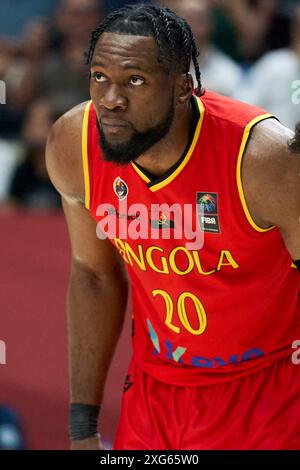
(136, 81)
(99, 78)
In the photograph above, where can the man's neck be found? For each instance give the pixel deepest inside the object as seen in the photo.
(163, 155)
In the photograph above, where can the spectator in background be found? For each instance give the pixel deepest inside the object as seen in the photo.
(31, 71)
(16, 14)
(7, 53)
(22, 71)
(21, 62)
(271, 80)
(111, 5)
(243, 27)
(219, 73)
(75, 17)
(63, 78)
(31, 186)
(279, 35)
(10, 155)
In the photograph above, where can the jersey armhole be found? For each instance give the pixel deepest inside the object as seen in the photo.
(84, 154)
(243, 145)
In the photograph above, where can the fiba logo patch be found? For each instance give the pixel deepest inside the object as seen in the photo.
(207, 208)
(120, 188)
(208, 203)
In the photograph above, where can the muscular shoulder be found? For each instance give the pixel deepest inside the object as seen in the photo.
(63, 154)
(270, 174)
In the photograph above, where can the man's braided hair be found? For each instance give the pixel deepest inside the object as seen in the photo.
(172, 34)
(295, 142)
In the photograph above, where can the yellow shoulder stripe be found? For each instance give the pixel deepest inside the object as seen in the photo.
(84, 153)
(245, 138)
(170, 178)
(139, 172)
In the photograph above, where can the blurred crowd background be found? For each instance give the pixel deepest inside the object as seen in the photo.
(249, 50)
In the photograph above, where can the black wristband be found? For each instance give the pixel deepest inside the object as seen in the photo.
(83, 421)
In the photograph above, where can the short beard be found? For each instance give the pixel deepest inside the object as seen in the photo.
(140, 142)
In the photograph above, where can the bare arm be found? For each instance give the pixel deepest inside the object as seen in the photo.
(97, 291)
(96, 303)
(271, 182)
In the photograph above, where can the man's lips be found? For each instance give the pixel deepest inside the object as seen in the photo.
(113, 123)
(114, 127)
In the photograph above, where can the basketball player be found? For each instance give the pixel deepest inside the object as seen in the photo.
(213, 326)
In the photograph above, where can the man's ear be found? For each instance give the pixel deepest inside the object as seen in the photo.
(185, 87)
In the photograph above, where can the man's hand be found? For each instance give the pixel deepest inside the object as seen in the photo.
(92, 443)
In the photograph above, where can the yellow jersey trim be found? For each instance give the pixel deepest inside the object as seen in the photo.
(245, 138)
(142, 175)
(170, 178)
(84, 153)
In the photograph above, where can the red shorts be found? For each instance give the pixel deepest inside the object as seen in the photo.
(259, 411)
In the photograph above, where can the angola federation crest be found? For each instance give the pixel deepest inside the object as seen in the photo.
(120, 188)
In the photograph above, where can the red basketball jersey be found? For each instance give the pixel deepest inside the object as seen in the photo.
(214, 295)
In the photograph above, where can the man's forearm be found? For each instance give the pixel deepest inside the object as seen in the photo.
(96, 308)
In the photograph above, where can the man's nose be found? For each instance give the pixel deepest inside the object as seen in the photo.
(113, 98)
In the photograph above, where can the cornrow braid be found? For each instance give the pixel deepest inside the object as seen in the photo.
(294, 144)
(172, 34)
(168, 30)
(97, 33)
(195, 54)
(158, 37)
(191, 50)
